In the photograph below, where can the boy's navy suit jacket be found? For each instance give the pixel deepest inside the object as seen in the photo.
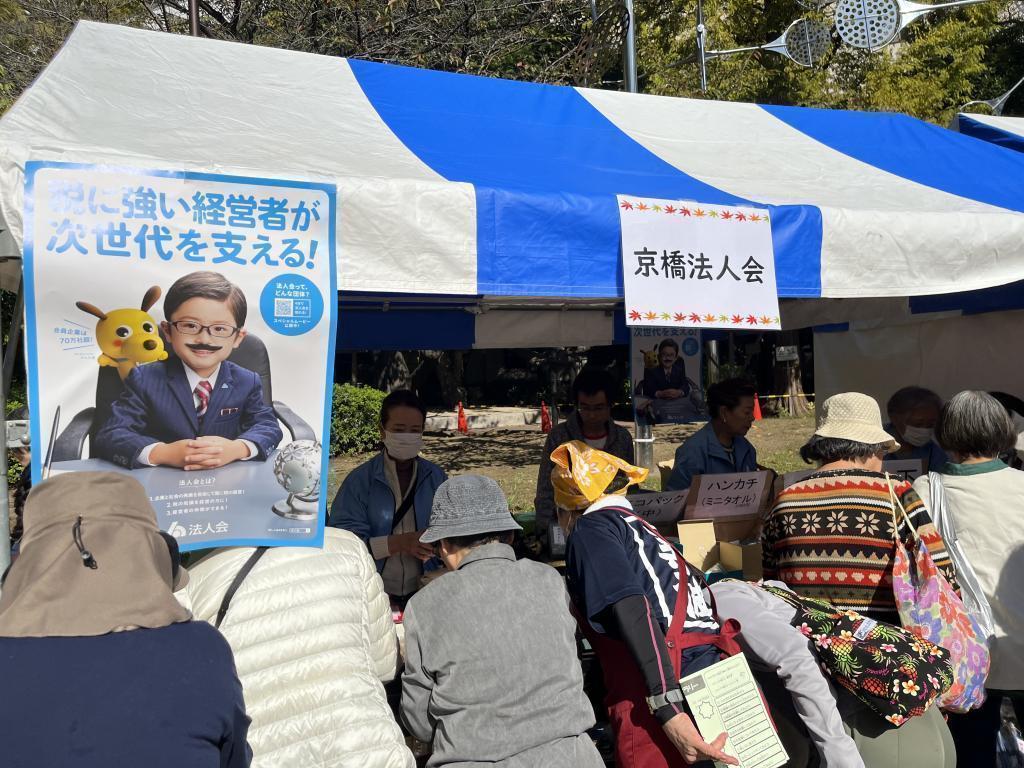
(157, 406)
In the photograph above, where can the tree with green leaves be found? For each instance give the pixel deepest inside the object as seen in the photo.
(939, 63)
(538, 40)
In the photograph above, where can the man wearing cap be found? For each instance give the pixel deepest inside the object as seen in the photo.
(492, 677)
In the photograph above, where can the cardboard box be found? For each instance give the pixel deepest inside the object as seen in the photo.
(733, 527)
(703, 549)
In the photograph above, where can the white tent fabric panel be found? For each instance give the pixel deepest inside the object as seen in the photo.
(947, 354)
(121, 96)
(468, 186)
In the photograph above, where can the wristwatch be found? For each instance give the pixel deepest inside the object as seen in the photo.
(675, 696)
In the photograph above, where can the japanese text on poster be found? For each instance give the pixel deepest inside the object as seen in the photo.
(181, 329)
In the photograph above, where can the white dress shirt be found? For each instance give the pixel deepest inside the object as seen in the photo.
(193, 382)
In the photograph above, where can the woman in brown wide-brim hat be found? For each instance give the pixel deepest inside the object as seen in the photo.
(101, 665)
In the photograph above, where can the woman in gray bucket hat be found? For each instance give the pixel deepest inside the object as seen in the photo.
(491, 676)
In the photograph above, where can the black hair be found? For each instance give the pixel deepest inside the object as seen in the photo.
(907, 399)
(825, 450)
(590, 381)
(727, 394)
(175, 552)
(206, 285)
(665, 343)
(479, 539)
(1011, 403)
(399, 398)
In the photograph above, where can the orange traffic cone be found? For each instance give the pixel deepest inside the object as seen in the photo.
(545, 418)
(757, 407)
(463, 421)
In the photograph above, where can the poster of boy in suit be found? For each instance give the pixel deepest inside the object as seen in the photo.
(196, 410)
(180, 328)
(667, 366)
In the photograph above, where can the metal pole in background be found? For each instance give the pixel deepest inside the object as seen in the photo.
(193, 18)
(5, 512)
(629, 52)
(10, 354)
(701, 47)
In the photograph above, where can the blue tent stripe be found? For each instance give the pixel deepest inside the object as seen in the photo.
(546, 166)
(948, 161)
(991, 134)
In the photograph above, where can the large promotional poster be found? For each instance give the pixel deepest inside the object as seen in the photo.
(667, 366)
(181, 329)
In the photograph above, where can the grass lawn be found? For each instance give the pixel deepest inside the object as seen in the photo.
(511, 456)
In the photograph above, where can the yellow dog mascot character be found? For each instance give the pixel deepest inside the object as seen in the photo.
(127, 337)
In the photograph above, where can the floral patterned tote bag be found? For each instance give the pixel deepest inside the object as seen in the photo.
(893, 671)
(930, 609)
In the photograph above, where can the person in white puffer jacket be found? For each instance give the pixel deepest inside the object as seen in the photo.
(313, 638)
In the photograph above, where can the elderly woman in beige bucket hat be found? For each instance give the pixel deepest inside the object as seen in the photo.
(831, 536)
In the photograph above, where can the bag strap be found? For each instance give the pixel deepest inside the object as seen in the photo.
(237, 582)
(895, 503)
(406, 505)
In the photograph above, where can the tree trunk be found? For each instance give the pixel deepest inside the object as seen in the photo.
(788, 380)
(449, 365)
(392, 372)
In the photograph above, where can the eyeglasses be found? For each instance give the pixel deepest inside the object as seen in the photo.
(592, 408)
(192, 328)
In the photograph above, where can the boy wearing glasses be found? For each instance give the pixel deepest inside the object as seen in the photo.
(196, 410)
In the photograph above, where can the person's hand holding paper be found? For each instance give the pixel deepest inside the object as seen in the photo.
(687, 739)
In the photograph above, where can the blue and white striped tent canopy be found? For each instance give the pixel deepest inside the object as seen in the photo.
(470, 193)
(1005, 131)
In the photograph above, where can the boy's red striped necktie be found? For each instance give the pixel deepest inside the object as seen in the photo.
(203, 391)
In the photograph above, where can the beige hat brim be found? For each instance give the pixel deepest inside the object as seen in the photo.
(859, 433)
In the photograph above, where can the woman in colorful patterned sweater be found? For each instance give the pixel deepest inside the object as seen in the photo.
(830, 535)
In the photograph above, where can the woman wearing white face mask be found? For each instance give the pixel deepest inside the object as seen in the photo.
(386, 501)
(913, 413)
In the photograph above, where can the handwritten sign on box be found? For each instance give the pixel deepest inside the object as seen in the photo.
(658, 508)
(735, 495)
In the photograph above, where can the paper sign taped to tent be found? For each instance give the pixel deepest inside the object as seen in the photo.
(697, 265)
(180, 330)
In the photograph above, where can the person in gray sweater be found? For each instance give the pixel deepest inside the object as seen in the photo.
(492, 677)
(809, 712)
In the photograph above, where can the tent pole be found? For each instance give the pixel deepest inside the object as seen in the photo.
(10, 354)
(701, 46)
(193, 18)
(629, 52)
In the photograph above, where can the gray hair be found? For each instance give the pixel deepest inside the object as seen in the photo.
(907, 399)
(975, 424)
